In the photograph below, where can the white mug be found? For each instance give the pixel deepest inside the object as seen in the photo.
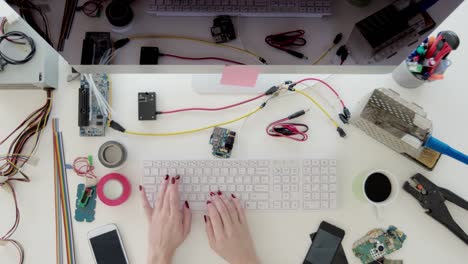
(393, 193)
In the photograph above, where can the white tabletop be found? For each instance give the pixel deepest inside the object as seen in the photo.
(280, 237)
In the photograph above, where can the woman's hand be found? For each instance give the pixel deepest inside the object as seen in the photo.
(227, 230)
(169, 225)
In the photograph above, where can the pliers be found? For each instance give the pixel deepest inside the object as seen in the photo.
(432, 198)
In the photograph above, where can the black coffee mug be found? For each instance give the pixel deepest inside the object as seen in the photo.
(380, 189)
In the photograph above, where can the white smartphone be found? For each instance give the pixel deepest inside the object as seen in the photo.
(107, 245)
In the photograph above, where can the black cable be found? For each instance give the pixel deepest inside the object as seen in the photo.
(283, 41)
(92, 8)
(26, 11)
(20, 36)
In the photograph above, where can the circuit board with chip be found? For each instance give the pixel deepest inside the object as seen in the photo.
(91, 120)
(222, 141)
(378, 243)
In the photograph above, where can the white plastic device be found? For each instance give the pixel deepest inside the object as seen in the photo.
(102, 231)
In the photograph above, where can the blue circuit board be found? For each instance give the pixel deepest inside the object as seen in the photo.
(96, 120)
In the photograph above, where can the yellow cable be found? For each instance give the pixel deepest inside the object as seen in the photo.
(318, 105)
(194, 130)
(196, 40)
(324, 54)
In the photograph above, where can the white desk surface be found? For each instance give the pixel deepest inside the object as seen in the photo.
(280, 237)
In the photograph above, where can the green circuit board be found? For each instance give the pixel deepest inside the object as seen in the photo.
(222, 141)
(378, 243)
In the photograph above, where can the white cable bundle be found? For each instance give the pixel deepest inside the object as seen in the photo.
(106, 109)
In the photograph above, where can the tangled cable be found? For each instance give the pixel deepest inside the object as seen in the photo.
(294, 131)
(83, 167)
(14, 160)
(20, 36)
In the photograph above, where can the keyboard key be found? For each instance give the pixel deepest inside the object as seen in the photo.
(203, 179)
(231, 188)
(286, 196)
(212, 179)
(259, 196)
(249, 188)
(240, 188)
(262, 205)
(250, 205)
(261, 188)
(285, 205)
(332, 187)
(223, 188)
(205, 188)
(315, 196)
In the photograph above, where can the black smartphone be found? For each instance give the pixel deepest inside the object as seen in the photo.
(325, 244)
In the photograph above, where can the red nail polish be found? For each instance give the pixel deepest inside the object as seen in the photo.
(177, 177)
(140, 187)
(173, 180)
(212, 194)
(186, 204)
(233, 196)
(167, 177)
(220, 193)
(208, 202)
(204, 217)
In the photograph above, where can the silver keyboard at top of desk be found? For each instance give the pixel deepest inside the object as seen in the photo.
(260, 184)
(258, 8)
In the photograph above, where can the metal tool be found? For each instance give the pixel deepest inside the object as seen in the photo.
(404, 127)
(432, 198)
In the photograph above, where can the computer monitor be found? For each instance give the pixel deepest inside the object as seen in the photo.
(86, 33)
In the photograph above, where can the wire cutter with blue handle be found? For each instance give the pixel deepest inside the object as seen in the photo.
(432, 198)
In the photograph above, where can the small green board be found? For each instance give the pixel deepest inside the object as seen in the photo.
(85, 212)
(378, 243)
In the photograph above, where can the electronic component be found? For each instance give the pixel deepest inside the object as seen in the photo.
(256, 8)
(149, 55)
(85, 203)
(96, 46)
(378, 243)
(112, 154)
(91, 120)
(147, 106)
(401, 125)
(311, 184)
(222, 141)
(326, 242)
(381, 35)
(223, 30)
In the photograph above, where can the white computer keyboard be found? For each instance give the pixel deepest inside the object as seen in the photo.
(259, 8)
(261, 184)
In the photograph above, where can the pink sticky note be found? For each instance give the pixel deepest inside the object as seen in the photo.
(240, 75)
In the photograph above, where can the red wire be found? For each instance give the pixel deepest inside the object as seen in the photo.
(82, 168)
(212, 109)
(202, 58)
(294, 130)
(326, 84)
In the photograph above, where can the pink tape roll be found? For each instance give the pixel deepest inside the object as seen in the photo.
(125, 185)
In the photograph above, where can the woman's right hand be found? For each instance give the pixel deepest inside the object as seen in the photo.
(227, 230)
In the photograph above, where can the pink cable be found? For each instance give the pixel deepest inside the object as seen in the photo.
(326, 84)
(212, 109)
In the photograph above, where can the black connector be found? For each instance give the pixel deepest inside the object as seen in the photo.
(263, 104)
(262, 60)
(83, 107)
(297, 114)
(341, 132)
(338, 38)
(343, 118)
(346, 112)
(116, 126)
(120, 43)
(297, 54)
(272, 90)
